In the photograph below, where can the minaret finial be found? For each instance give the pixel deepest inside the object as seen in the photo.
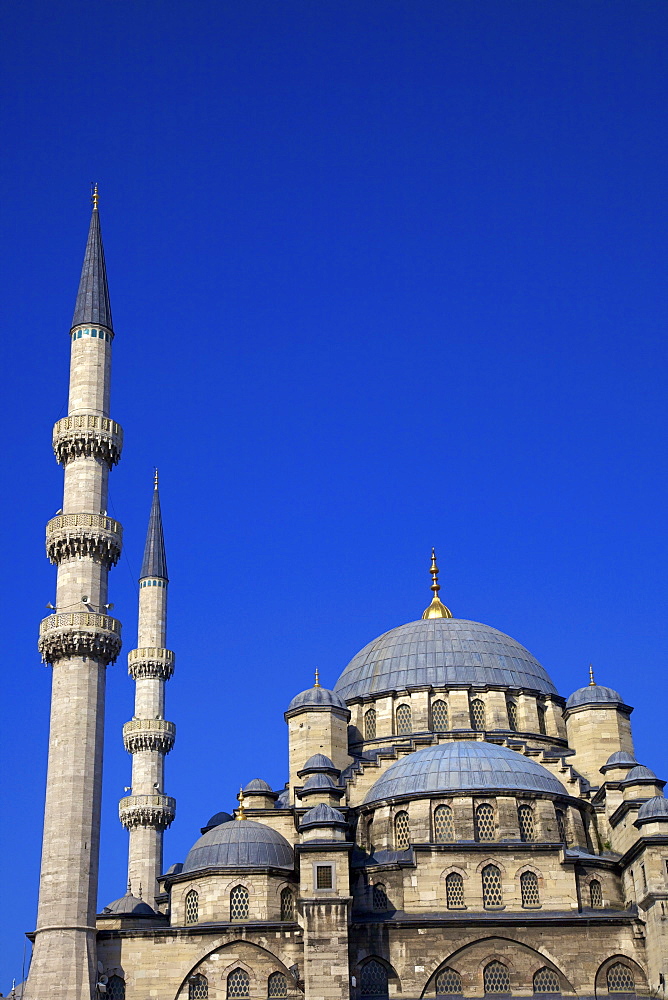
(436, 609)
(155, 479)
(317, 678)
(592, 682)
(95, 197)
(241, 811)
(129, 888)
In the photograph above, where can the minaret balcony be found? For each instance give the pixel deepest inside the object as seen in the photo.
(76, 536)
(79, 633)
(151, 661)
(87, 436)
(157, 811)
(149, 734)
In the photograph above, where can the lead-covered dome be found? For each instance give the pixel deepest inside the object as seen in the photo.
(241, 844)
(462, 767)
(441, 652)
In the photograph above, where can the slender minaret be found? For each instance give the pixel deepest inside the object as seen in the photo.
(79, 639)
(148, 737)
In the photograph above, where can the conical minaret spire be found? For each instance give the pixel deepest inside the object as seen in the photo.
(79, 640)
(147, 812)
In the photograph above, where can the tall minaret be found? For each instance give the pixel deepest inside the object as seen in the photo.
(79, 639)
(148, 737)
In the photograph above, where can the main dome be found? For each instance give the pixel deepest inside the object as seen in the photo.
(441, 652)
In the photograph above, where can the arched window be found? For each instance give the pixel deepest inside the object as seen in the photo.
(370, 724)
(454, 891)
(478, 714)
(546, 981)
(595, 895)
(484, 822)
(525, 820)
(238, 984)
(439, 716)
(198, 987)
(373, 980)
(287, 905)
(529, 889)
(448, 982)
(444, 829)
(620, 979)
(380, 901)
(513, 717)
(192, 907)
(404, 721)
(115, 988)
(492, 895)
(277, 985)
(542, 717)
(239, 905)
(496, 978)
(561, 825)
(402, 832)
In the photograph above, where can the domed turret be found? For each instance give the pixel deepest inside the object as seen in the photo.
(241, 844)
(598, 727)
(259, 794)
(317, 727)
(655, 810)
(322, 822)
(128, 906)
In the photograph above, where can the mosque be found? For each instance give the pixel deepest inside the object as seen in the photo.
(450, 824)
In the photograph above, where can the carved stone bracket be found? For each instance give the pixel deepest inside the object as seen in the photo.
(151, 661)
(87, 436)
(157, 811)
(70, 536)
(149, 734)
(79, 633)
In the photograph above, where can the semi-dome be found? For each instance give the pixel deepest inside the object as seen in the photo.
(655, 809)
(242, 844)
(462, 767)
(594, 694)
(316, 697)
(441, 652)
(128, 906)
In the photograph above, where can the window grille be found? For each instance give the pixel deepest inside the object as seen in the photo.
(373, 980)
(447, 982)
(239, 904)
(277, 985)
(198, 988)
(491, 888)
(546, 981)
(525, 818)
(478, 714)
(561, 825)
(402, 832)
(380, 901)
(370, 724)
(454, 891)
(542, 714)
(192, 907)
(440, 722)
(513, 717)
(484, 822)
(404, 721)
(444, 829)
(496, 978)
(238, 984)
(324, 878)
(116, 988)
(620, 979)
(287, 905)
(529, 889)
(595, 895)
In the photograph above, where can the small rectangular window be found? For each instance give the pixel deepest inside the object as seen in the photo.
(93, 333)
(323, 877)
(78, 334)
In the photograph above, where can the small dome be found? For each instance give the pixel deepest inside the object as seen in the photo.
(175, 869)
(319, 762)
(639, 773)
(319, 781)
(129, 906)
(594, 694)
(621, 758)
(316, 697)
(459, 767)
(257, 785)
(242, 844)
(322, 815)
(441, 652)
(654, 809)
(218, 818)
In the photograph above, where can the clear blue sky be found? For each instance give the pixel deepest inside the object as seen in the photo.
(385, 274)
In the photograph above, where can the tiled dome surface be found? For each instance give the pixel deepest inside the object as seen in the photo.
(241, 844)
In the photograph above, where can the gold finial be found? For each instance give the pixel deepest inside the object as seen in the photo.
(592, 682)
(241, 811)
(155, 480)
(436, 609)
(96, 198)
(317, 678)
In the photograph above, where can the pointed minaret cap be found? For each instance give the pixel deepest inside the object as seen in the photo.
(93, 304)
(592, 682)
(155, 560)
(436, 609)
